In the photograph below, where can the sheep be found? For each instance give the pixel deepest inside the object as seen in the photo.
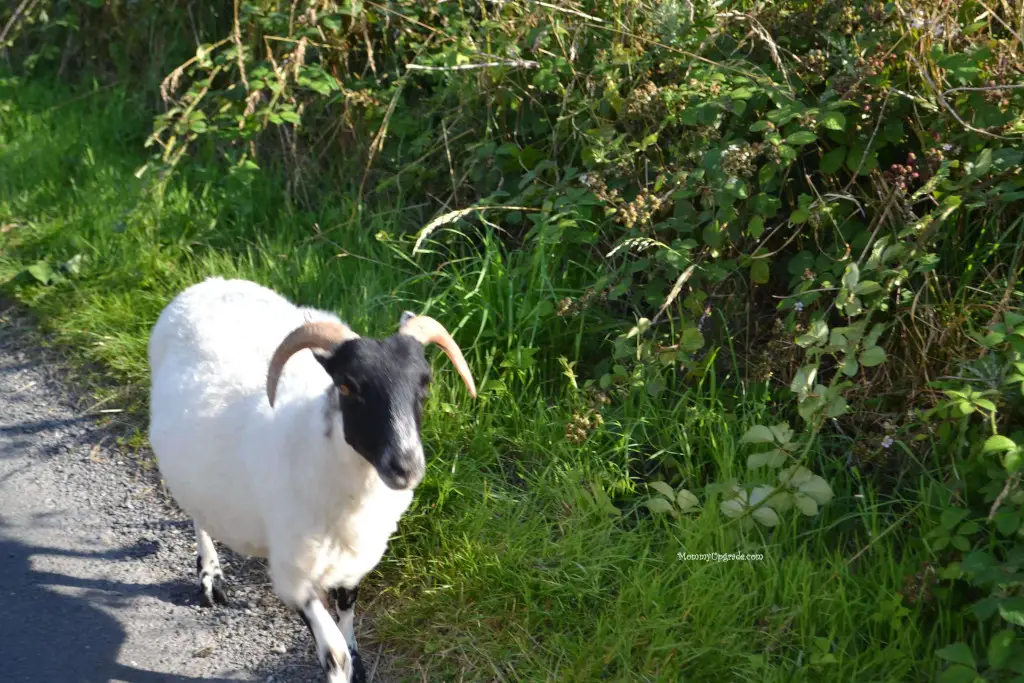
(307, 460)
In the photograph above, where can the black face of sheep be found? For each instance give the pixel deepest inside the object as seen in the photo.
(382, 384)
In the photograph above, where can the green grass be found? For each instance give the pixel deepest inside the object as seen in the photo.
(507, 567)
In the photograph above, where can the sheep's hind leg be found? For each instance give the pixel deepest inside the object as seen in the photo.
(211, 578)
(344, 600)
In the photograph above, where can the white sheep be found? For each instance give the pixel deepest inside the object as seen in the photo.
(277, 458)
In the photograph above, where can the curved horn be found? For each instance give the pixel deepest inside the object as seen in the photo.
(323, 334)
(426, 330)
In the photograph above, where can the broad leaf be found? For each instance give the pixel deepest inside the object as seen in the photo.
(1012, 610)
(766, 516)
(662, 488)
(872, 356)
(658, 506)
(998, 443)
(817, 488)
(958, 653)
(685, 500)
(758, 434)
(1000, 647)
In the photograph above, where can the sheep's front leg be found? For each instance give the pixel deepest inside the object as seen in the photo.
(211, 578)
(331, 647)
(344, 601)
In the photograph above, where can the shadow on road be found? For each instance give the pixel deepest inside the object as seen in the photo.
(44, 425)
(46, 635)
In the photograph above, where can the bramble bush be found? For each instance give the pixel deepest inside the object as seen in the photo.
(831, 193)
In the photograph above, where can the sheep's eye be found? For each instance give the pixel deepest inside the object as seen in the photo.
(346, 390)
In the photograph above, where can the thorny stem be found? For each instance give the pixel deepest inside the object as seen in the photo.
(1010, 485)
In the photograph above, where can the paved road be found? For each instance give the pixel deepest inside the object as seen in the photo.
(97, 568)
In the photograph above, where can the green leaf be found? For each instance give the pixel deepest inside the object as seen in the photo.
(816, 335)
(800, 216)
(983, 163)
(662, 488)
(772, 458)
(850, 365)
(801, 137)
(1012, 610)
(960, 543)
(290, 116)
(766, 516)
(41, 271)
(958, 653)
(766, 173)
(958, 673)
(998, 443)
(692, 340)
(758, 434)
(1013, 461)
(837, 407)
(833, 161)
(795, 476)
(856, 156)
(1007, 522)
(658, 506)
(833, 120)
(999, 648)
(803, 380)
(805, 504)
(783, 432)
(759, 271)
(73, 266)
(787, 153)
(851, 276)
(952, 517)
(992, 339)
(731, 508)
(756, 227)
(984, 608)
(873, 356)
(817, 488)
(969, 528)
(685, 500)
(874, 334)
(867, 287)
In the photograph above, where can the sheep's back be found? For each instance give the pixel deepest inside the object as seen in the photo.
(209, 352)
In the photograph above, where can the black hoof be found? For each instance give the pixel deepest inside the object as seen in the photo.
(216, 594)
(358, 670)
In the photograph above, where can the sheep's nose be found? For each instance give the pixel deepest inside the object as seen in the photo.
(402, 470)
(400, 480)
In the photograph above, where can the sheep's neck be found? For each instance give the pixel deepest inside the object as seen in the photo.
(352, 478)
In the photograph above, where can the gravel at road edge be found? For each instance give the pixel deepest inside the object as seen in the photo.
(97, 565)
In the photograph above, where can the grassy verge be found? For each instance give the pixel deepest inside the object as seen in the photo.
(512, 564)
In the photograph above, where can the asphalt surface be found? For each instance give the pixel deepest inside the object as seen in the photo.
(97, 566)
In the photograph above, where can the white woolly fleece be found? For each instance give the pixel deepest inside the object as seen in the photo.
(282, 482)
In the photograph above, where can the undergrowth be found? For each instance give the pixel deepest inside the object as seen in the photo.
(733, 278)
